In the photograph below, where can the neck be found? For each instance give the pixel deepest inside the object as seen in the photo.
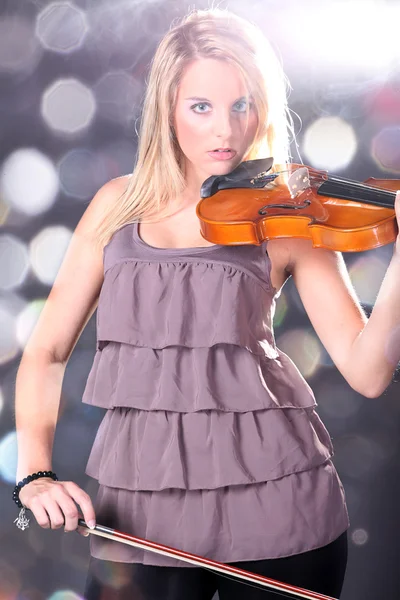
(194, 180)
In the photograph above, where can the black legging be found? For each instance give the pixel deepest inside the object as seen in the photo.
(321, 570)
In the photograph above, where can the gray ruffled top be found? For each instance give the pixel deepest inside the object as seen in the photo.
(203, 405)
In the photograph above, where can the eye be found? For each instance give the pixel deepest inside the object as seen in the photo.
(199, 104)
(242, 104)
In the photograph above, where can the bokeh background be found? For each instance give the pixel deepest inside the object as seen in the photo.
(72, 77)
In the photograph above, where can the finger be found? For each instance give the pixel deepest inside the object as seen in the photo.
(56, 516)
(83, 531)
(40, 513)
(83, 500)
(68, 509)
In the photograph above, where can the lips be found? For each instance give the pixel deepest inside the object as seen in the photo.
(222, 154)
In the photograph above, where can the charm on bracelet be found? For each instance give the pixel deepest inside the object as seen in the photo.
(22, 522)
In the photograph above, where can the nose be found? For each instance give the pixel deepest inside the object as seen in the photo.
(223, 125)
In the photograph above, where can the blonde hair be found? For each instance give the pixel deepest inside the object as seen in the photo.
(158, 176)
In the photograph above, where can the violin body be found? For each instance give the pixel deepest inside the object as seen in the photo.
(296, 202)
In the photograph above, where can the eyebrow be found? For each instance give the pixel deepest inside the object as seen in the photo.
(198, 99)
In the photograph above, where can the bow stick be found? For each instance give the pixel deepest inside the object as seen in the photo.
(200, 561)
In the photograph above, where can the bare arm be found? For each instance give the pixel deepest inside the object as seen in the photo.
(70, 304)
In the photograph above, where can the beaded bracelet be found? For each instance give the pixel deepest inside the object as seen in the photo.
(21, 521)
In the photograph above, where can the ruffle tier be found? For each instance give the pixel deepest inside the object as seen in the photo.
(279, 518)
(223, 377)
(186, 303)
(157, 450)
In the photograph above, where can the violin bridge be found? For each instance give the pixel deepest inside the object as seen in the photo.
(298, 181)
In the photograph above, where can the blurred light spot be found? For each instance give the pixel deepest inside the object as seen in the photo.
(68, 106)
(8, 457)
(10, 581)
(27, 320)
(1, 401)
(366, 274)
(330, 143)
(65, 595)
(19, 49)
(14, 260)
(280, 310)
(118, 97)
(47, 250)
(359, 537)
(28, 181)
(61, 27)
(303, 348)
(385, 149)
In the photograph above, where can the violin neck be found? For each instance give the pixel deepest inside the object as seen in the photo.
(358, 192)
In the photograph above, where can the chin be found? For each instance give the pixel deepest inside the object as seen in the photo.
(213, 168)
(224, 167)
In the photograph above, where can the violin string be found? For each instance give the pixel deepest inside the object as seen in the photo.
(351, 183)
(362, 186)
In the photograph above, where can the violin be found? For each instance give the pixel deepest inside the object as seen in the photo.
(260, 201)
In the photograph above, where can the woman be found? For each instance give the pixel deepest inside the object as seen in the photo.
(211, 442)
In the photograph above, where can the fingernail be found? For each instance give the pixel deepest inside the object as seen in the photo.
(91, 524)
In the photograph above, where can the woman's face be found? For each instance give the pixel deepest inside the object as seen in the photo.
(210, 114)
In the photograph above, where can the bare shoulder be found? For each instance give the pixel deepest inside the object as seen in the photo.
(286, 253)
(295, 256)
(303, 256)
(106, 197)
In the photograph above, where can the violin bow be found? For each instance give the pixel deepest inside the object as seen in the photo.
(247, 576)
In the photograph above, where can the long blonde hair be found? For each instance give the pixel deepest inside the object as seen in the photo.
(158, 176)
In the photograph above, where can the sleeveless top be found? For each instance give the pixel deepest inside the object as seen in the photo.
(201, 401)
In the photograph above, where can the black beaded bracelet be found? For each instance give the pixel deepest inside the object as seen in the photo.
(28, 479)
